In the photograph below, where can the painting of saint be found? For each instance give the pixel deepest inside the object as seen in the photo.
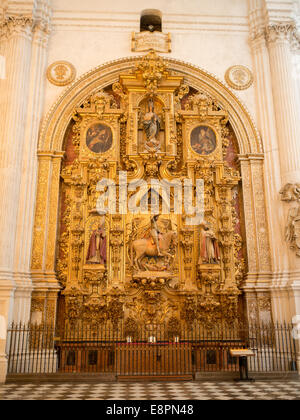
(99, 138)
(203, 140)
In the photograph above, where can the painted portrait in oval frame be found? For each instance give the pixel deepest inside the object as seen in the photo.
(203, 140)
(99, 138)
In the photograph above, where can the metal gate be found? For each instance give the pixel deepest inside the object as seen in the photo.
(149, 352)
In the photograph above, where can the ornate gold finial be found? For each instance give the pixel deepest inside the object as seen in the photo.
(153, 69)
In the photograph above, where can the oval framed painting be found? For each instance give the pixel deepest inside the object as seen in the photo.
(99, 138)
(203, 140)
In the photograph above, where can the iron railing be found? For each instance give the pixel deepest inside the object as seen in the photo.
(149, 350)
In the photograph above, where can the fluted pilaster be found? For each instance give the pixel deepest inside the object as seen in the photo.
(278, 120)
(23, 42)
(274, 37)
(22, 257)
(286, 103)
(2, 67)
(267, 126)
(16, 38)
(287, 109)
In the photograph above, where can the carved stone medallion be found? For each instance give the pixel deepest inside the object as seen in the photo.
(61, 73)
(239, 77)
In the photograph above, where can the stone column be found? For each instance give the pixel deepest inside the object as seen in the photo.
(23, 40)
(278, 119)
(16, 38)
(267, 126)
(286, 102)
(272, 163)
(287, 111)
(22, 258)
(2, 67)
(6, 296)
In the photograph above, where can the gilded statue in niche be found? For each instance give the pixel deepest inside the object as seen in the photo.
(155, 232)
(151, 123)
(151, 133)
(152, 250)
(97, 252)
(203, 140)
(99, 138)
(209, 246)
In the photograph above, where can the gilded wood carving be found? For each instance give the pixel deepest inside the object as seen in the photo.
(150, 268)
(123, 265)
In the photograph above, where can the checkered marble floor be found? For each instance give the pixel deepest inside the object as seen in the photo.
(260, 390)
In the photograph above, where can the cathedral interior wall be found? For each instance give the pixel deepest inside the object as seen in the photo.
(206, 34)
(249, 51)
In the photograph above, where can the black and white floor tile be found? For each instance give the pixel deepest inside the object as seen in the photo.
(260, 390)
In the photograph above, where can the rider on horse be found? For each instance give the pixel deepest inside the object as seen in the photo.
(155, 233)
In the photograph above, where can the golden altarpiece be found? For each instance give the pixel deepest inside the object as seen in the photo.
(136, 268)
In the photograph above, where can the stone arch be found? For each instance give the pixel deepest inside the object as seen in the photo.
(59, 116)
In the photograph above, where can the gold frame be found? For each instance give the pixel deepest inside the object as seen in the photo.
(87, 151)
(218, 140)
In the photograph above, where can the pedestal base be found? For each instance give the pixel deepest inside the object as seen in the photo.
(243, 365)
(3, 368)
(298, 364)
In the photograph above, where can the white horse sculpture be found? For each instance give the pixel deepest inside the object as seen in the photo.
(147, 248)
